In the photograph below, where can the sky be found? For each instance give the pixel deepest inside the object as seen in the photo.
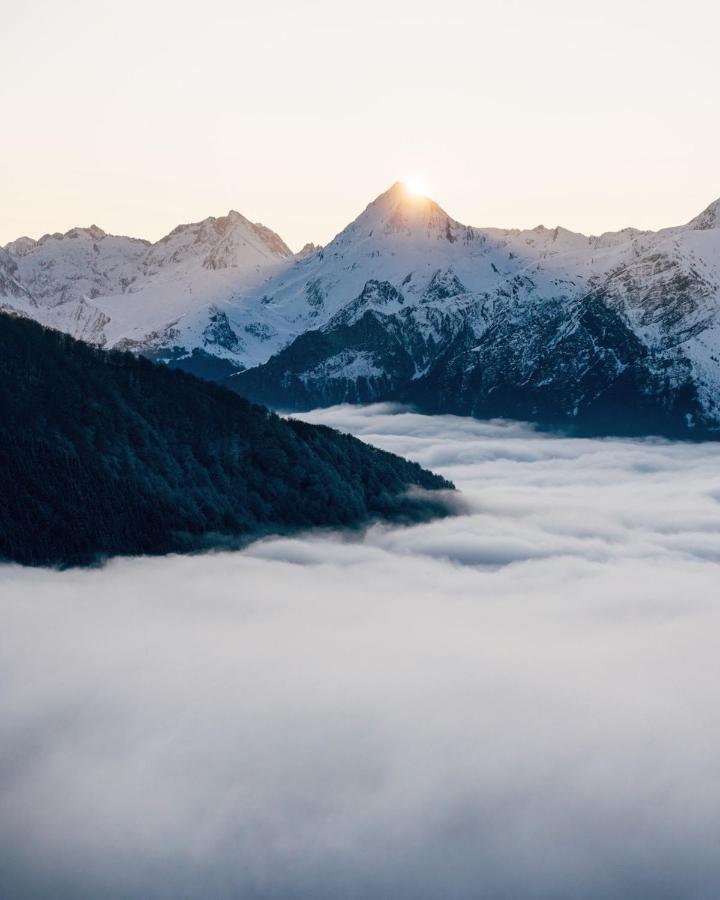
(137, 116)
(520, 701)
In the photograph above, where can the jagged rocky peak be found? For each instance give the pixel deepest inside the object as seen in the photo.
(708, 218)
(443, 285)
(93, 233)
(218, 243)
(308, 250)
(20, 246)
(399, 212)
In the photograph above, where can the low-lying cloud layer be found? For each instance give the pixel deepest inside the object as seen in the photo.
(519, 702)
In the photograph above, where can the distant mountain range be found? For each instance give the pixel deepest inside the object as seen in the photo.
(105, 453)
(612, 334)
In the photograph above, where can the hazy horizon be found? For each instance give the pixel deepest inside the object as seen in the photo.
(138, 118)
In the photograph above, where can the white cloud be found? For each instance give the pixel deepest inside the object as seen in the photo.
(515, 703)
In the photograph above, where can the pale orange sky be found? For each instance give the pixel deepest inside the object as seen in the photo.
(139, 115)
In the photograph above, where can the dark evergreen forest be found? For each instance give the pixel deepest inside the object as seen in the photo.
(105, 453)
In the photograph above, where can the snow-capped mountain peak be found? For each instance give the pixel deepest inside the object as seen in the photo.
(230, 241)
(20, 245)
(307, 250)
(399, 213)
(91, 233)
(79, 265)
(109, 289)
(708, 218)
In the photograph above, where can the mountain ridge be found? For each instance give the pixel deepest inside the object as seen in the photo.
(105, 453)
(437, 291)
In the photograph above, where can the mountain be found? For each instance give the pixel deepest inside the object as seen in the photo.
(129, 294)
(613, 333)
(107, 453)
(63, 273)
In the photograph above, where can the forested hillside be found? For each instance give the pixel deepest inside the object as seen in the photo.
(106, 453)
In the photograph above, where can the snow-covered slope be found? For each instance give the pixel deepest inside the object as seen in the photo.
(82, 264)
(174, 309)
(13, 293)
(64, 273)
(408, 303)
(125, 292)
(620, 331)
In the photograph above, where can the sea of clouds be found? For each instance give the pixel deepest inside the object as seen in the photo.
(518, 702)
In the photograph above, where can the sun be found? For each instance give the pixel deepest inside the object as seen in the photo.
(416, 186)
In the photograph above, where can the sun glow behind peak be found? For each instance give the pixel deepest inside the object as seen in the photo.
(416, 186)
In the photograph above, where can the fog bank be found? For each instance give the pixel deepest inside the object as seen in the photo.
(519, 702)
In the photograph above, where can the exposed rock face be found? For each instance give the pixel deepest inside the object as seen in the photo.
(10, 285)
